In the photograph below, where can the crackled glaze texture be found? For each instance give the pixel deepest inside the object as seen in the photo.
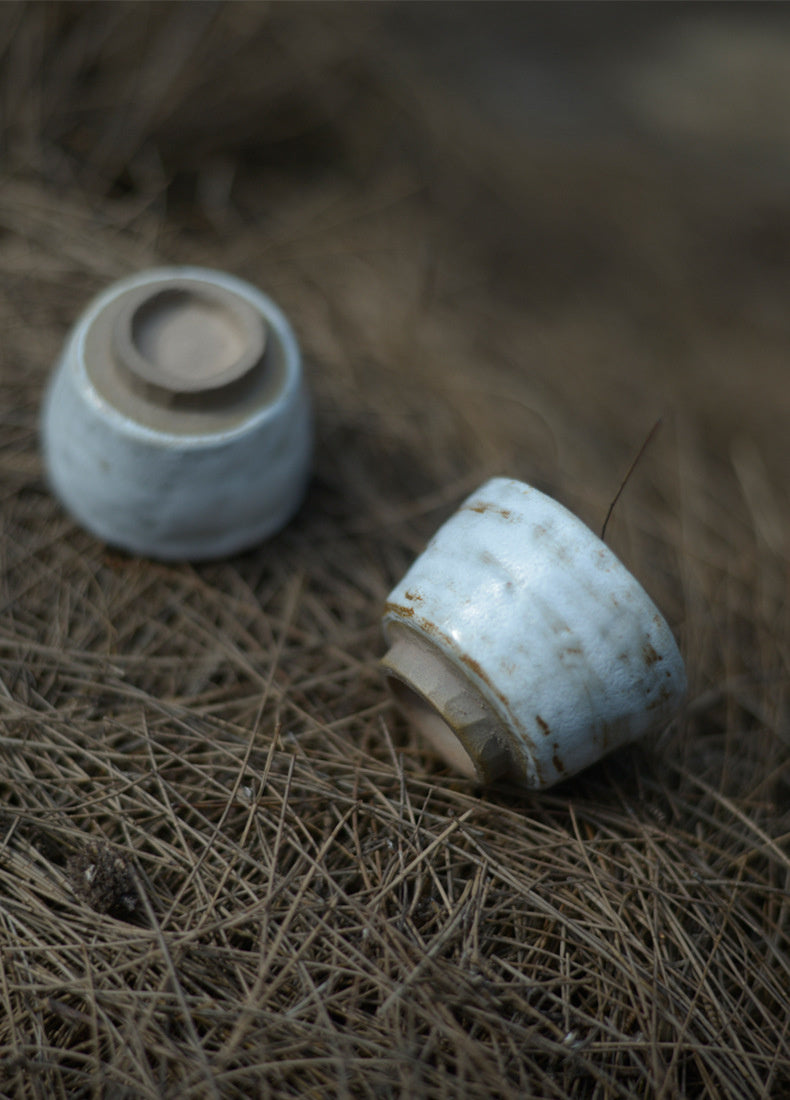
(521, 632)
(178, 475)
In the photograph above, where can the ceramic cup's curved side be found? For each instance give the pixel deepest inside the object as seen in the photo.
(161, 490)
(551, 653)
(172, 501)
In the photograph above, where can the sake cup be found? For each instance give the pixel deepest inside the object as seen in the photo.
(177, 423)
(521, 647)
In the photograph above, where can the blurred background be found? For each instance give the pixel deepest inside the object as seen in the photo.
(591, 197)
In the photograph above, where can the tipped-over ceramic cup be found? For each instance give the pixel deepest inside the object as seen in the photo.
(521, 647)
(177, 423)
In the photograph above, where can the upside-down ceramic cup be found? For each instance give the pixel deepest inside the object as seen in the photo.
(177, 423)
(521, 647)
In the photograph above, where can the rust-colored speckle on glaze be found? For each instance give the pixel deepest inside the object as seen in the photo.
(414, 596)
(650, 654)
(604, 561)
(399, 609)
(544, 725)
(557, 759)
(471, 663)
(482, 506)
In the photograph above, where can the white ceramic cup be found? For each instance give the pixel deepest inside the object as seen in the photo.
(177, 423)
(521, 647)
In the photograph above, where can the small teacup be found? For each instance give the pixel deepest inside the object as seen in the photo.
(521, 647)
(177, 423)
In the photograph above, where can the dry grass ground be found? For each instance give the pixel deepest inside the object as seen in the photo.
(227, 868)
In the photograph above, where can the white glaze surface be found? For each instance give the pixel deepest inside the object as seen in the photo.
(173, 495)
(546, 624)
